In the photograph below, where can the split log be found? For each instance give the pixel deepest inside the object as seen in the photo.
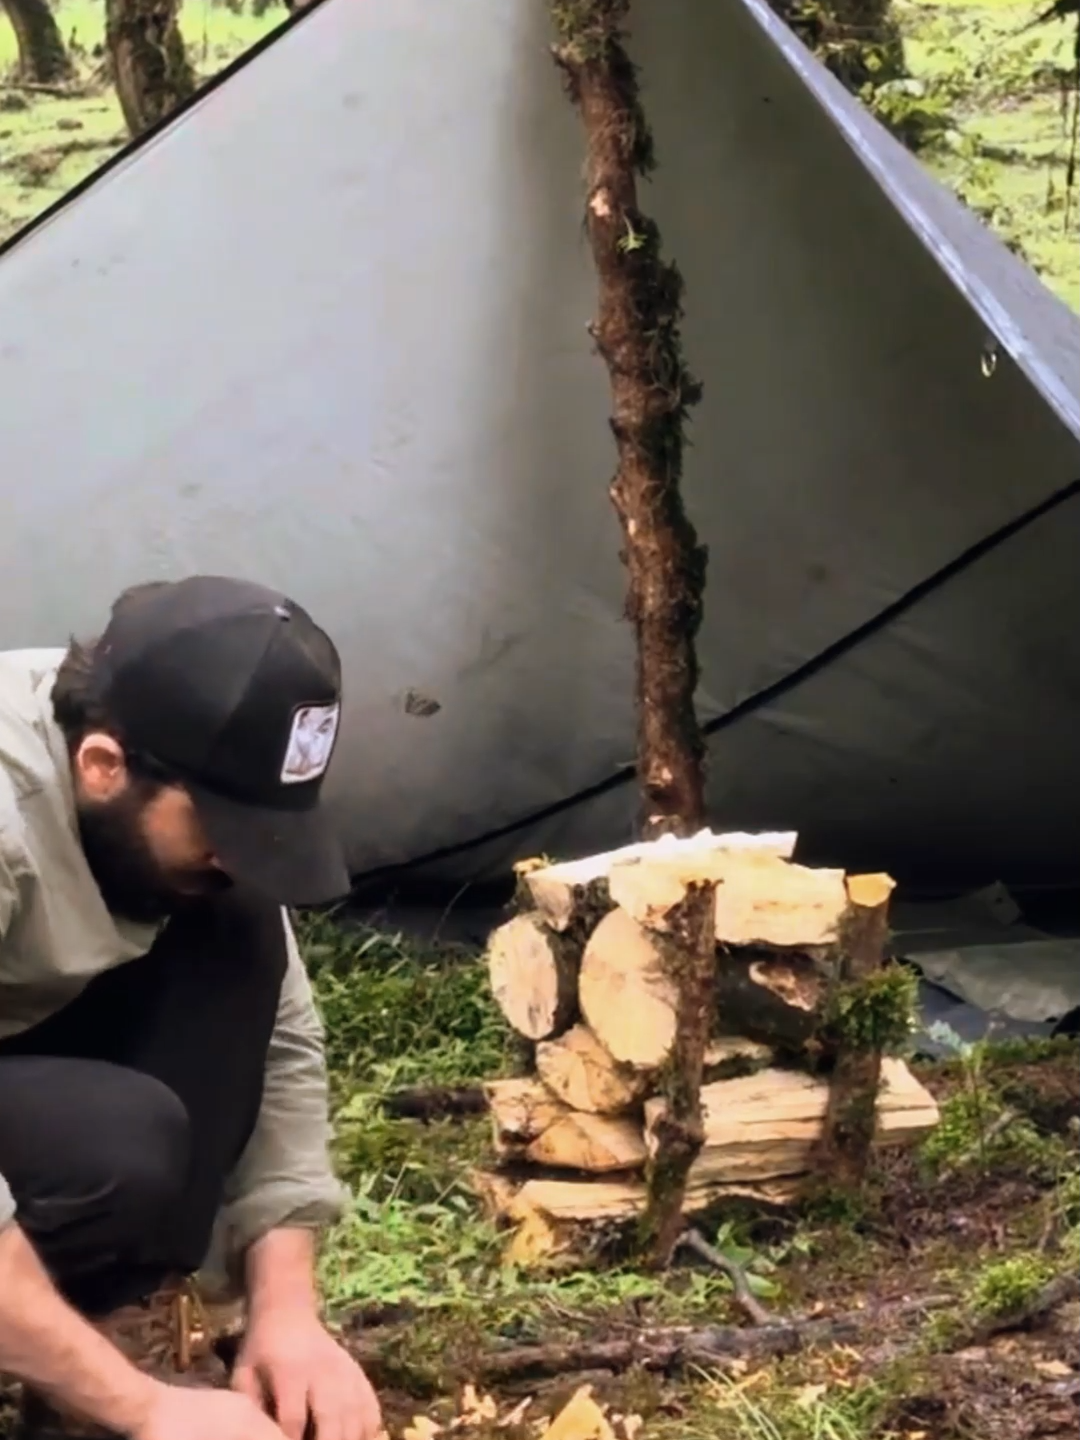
(627, 996)
(598, 1144)
(584, 1075)
(765, 1126)
(729, 1056)
(761, 899)
(575, 893)
(521, 1110)
(533, 975)
(586, 1202)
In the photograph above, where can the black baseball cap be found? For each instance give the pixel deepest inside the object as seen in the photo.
(235, 690)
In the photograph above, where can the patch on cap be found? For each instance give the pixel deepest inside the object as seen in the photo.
(311, 743)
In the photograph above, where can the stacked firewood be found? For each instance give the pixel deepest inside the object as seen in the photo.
(584, 971)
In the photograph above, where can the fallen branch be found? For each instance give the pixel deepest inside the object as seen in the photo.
(745, 1298)
(666, 1350)
(436, 1103)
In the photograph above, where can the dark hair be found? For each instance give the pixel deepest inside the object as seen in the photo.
(78, 711)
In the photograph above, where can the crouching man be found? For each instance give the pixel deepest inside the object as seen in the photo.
(162, 1078)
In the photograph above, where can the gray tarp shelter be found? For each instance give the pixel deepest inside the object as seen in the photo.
(327, 328)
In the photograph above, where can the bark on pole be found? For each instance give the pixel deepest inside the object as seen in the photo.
(149, 63)
(43, 60)
(637, 334)
(680, 1132)
(872, 1010)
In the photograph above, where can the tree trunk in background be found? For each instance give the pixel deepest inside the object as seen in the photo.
(857, 40)
(149, 64)
(43, 60)
(637, 334)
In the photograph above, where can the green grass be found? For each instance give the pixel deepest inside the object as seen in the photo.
(48, 144)
(1006, 142)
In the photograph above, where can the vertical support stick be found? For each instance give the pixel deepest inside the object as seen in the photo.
(637, 334)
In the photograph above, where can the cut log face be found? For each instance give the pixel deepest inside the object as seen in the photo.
(521, 1110)
(585, 1076)
(627, 997)
(765, 1126)
(577, 890)
(533, 977)
(595, 1143)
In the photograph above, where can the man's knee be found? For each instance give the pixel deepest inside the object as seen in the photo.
(95, 1154)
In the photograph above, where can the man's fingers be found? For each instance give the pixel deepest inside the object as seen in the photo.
(246, 1382)
(291, 1402)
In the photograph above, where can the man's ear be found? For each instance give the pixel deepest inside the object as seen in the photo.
(99, 767)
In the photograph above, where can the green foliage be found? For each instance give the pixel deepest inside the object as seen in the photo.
(917, 116)
(1007, 1286)
(971, 1134)
(399, 1014)
(876, 1013)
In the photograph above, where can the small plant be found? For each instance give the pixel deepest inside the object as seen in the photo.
(1007, 1286)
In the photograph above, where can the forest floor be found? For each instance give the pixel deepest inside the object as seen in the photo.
(974, 1224)
(986, 96)
(927, 1267)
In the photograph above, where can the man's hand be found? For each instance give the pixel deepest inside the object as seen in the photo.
(176, 1413)
(289, 1360)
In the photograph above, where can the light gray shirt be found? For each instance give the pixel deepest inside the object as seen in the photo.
(56, 935)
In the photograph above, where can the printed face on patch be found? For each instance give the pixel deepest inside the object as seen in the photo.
(311, 743)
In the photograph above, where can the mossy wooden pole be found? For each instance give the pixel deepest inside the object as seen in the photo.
(689, 950)
(637, 334)
(870, 1015)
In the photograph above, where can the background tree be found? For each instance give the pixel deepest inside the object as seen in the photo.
(858, 40)
(149, 63)
(43, 60)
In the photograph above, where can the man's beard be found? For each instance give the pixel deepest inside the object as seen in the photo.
(133, 884)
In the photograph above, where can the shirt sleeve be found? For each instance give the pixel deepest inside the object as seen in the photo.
(285, 1176)
(8, 899)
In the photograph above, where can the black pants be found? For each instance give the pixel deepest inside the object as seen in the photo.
(122, 1115)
